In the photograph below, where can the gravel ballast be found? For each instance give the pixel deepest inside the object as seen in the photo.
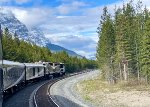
(64, 94)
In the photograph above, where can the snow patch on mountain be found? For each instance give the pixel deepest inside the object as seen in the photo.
(33, 35)
(8, 20)
(38, 36)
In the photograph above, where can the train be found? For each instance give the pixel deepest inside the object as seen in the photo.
(17, 75)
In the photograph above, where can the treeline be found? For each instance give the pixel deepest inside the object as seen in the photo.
(23, 51)
(123, 50)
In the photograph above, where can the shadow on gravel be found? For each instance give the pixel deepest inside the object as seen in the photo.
(64, 102)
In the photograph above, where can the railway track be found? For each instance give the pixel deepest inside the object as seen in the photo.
(42, 97)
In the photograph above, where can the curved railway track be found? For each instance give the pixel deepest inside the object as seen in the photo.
(42, 97)
(36, 95)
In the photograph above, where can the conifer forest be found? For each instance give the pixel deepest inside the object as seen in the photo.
(123, 50)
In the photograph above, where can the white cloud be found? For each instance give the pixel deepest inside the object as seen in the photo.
(78, 43)
(71, 7)
(32, 16)
(74, 42)
(90, 54)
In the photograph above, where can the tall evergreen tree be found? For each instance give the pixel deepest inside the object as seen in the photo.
(106, 43)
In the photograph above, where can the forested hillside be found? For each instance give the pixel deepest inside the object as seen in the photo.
(123, 50)
(22, 51)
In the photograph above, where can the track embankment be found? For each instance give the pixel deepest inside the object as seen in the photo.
(64, 92)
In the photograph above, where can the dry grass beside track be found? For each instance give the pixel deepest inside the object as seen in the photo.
(120, 95)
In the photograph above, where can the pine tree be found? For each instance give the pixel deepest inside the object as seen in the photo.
(106, 43)
(145, 47)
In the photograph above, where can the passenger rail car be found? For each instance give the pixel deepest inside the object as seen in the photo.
(34, 71)
(13, 75)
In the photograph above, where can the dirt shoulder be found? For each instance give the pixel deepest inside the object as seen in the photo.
(64, 93)
(121, 95)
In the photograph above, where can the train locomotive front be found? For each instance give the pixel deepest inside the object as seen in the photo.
(48, 70)
(58, 69)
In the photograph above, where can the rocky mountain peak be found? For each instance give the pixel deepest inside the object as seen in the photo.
(8, 20)
(34, 35)
(37, 33)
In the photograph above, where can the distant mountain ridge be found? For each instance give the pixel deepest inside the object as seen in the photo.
(56, 48)
(33, 35)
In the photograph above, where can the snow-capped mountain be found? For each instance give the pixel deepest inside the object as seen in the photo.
(33, 35)
(7, 19)
(37, 36)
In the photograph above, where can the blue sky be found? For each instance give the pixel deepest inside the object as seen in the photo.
(69, 23)
(52, 3)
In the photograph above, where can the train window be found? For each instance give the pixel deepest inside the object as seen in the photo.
(38, 71)
(55, 64)
(51, 64)
(61, 65)
(33, 71)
